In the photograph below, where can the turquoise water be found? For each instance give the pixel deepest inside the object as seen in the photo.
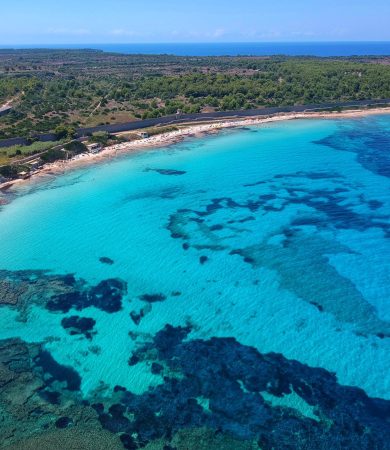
(276, 235)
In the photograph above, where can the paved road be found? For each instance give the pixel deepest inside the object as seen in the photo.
(177, 119)
(174, 119)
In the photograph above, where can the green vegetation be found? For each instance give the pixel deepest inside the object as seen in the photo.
(68, 151)
(23, 151)
(9, 171)
(100, 137)
(12, 171)
(153, 131)
(53, 155)
(64, 132)
(61, 90)
(75, 148)
(13, 162)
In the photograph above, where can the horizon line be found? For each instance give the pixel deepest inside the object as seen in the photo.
(201, 42)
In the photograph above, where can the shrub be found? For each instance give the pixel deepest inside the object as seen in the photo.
(53, 155)
(75, 147)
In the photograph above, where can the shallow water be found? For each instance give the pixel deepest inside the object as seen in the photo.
(277, 236)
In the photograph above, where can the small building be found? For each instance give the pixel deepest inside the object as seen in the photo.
(144, 135)
(94, 148)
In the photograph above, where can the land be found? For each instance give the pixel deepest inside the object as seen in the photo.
(126, 143)
(55, 101)
(59, 91)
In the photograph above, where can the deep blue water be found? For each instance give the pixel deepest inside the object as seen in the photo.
(241, 48)
(238, 283)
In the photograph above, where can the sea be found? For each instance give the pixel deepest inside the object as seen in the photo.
(324, 49)
(227, 291)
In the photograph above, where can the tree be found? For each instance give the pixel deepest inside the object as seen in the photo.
(9, 172)
(75, 147)
(100, 137)
(64, 132)
(53, 155)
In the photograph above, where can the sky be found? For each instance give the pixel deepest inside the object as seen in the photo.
(126, 21)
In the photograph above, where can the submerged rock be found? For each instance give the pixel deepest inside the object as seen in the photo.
(10, 292)
(58, 293)
(203, 259)
(227, 387)
(153, 298)
(157, 368)
(64, 422)
(107, 296)
(79, 325)
(106, 260)
(53, 371)
(136, 317)
(216, 391)
(166, 171)
(33, 415)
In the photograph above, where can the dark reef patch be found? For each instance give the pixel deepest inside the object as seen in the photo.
(51, 397)
(54, 372)
(133, 360)
(217, 391)
(319, 175)
(33, 416)
(331, 207)
(176, 294)
(76, 325)
(64, 422)
(290, 258)
(236, 383)
(128, 442)
(106, 260)
(217, 227)
(247, 219)
(107, 296)
(375, 204)
(156, 368)
(171, 172)
(166, 193)
(370, 144)
(153, 298)
(58, 293)
(137, 317)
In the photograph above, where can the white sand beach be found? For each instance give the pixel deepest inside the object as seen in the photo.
(184, 131)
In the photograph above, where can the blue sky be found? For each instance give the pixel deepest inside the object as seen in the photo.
(126, 21)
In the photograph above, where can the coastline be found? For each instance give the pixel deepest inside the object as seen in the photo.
(192, 129)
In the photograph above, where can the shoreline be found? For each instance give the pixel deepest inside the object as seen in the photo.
(192, 129)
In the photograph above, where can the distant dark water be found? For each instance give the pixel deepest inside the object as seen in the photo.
(242, 48)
